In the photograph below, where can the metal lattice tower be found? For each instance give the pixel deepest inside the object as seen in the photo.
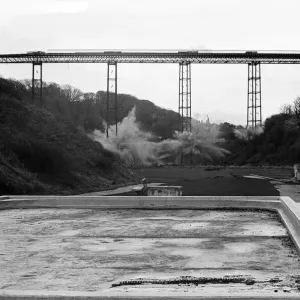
(254, 118)
(37, 83)
(111, 96)
(185, 97)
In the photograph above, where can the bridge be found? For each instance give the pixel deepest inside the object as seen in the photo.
(184, 58)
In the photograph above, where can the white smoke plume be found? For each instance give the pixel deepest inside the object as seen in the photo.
(248, 133)
(200, 143)
(134, 147)
(131, 143)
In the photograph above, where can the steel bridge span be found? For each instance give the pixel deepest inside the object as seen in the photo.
(253, 59)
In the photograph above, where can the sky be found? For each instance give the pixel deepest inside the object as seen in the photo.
(219, 91)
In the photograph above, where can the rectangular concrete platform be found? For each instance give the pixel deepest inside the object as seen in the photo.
(157, 190)
(149, 247)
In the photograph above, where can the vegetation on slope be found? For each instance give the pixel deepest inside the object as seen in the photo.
(89, 110)
(277, 143)
(45, 153)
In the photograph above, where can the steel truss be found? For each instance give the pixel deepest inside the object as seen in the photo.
(111, 96)
(37, 83)
(185, 97)
(254, 116)
(153, 57)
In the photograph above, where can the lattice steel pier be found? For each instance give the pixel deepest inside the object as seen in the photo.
(185, 97)
(111, 96)
(254, 117)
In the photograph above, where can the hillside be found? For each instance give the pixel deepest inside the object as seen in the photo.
(88, 110)
(276, 143)
(45, 153)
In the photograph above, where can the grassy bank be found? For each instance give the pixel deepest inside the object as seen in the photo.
(42, 153)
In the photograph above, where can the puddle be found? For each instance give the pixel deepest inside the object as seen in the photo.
(188, 226)
(264, 229)
(190, 252)
(241, 247)
(46, 246)
(123, 247)
(69, 233)
(185, 242)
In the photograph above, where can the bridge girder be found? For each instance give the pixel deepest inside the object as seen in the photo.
(153, 57)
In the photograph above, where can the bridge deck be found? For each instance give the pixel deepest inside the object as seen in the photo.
(153, 57)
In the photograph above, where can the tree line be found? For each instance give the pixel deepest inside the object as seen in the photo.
(277, 143)
(89, 110)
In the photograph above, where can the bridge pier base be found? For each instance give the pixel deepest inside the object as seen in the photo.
(37, 83)
(111, 97)
(254, 118)
(185, 97)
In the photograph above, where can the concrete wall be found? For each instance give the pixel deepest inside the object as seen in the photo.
(290, 215)
(161, 202)
(164, 191)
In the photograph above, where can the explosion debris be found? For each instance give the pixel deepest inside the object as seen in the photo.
(134, 146)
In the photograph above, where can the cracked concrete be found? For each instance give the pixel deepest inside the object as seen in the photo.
(93, 250)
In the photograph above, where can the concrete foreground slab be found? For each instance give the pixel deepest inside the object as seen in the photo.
(149, 248)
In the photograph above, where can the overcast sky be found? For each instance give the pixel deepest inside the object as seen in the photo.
(219, 91)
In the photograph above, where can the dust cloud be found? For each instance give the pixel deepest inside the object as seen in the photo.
(248, 133)
(135, 147)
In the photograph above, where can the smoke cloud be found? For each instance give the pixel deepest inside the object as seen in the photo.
(135, 147)
(248, 133)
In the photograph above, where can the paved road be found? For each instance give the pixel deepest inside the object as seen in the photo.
(201, 182)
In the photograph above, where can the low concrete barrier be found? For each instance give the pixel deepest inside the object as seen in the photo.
(161, 190)
(164, 191)
(142, 202)
(69, 295)
(290, 215)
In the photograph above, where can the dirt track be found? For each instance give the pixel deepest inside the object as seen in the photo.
(203, 181)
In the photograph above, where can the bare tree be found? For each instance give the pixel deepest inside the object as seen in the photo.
(287, 109)
(72, 94)
(297, 111)
(27, 83)
(90, 98)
